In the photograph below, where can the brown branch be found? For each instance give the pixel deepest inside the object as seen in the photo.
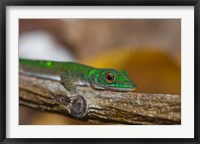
(100, 106)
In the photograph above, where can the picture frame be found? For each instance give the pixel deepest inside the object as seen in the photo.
(3, 121)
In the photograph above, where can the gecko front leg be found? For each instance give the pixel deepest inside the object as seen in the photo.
(97, 86)
(68, 82)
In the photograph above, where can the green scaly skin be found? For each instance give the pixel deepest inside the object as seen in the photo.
(74, 74)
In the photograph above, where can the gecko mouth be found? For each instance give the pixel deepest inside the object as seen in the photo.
(129, 87)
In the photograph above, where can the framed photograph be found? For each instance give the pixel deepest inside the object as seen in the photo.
(99, 71)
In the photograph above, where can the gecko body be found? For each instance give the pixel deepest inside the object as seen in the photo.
(74, 74)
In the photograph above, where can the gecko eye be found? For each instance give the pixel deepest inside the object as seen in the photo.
(110, 77)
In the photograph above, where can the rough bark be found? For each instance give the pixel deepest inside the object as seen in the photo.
(100, 107)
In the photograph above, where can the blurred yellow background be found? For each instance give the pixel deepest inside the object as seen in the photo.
(148, 49)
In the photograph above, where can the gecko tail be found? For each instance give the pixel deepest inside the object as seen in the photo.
(42, 76)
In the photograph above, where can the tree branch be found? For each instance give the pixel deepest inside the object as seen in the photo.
(99, 106)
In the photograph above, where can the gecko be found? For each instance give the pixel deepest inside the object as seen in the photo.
(73, 74)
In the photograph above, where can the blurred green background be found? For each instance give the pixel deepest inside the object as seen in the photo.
(148, 49)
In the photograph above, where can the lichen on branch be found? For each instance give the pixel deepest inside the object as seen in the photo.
(100, 107)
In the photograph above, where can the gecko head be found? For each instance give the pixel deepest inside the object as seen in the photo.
(117, 80)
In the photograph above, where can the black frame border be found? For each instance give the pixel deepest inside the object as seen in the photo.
(4, 3)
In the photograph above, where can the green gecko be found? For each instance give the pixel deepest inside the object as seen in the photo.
(73, 74)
